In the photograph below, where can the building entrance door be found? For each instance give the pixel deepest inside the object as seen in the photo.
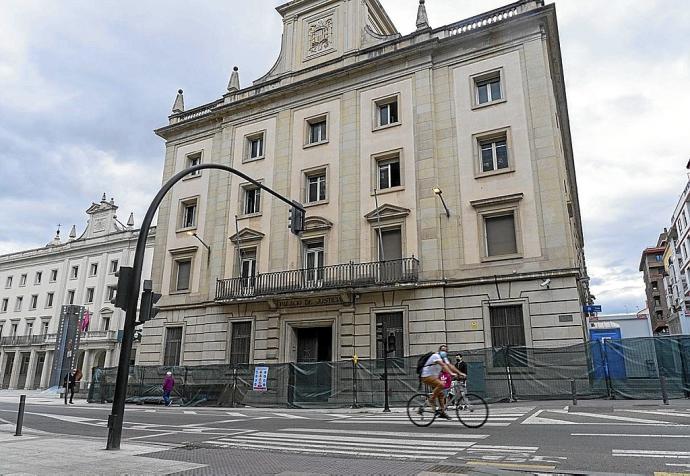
(9, 363)
(23, 368)
(313, 367)
(40, 360)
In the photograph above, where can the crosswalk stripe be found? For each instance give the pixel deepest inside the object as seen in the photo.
(407, 422)
(235, 414)
(290, 416)
(389, 447)
(633, 435)
(501, 447)
(189, 412)
(329, 451)
(609, 417)
(357, 439)
(386, 433)
(656, 452)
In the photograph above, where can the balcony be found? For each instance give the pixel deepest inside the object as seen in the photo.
(19, 341)
(91, 336)
(339, 276)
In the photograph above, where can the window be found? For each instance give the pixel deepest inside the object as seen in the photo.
(183, 269)
(508, 330)
(658, 258)
(38, 277)
(89, 295)
(22, 280)
(255, 146)
(70, 297)
(74, 273)
(494, 154)
(29, 328)
(316, 187)
(44, 327)
(240, 344)
(173, 346)
(500, 235)
(93, 270)
(188, 211)
(657, 301)
(314, 260)
(8, 282)
(387, 112)
(248, 267)
(488, 88)
(49, 299)
(13, 329)
(18, 304)
(655, 286)
(113, 266)
(393, 324)
(389, 173)
(316, 130)
(53, 275)
(33, 303)
(110, 293)
(192, 161)
(5, 303)
(252, 200)
(105, 319)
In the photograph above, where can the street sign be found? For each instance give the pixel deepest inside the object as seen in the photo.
(260, 379)
(589, 309)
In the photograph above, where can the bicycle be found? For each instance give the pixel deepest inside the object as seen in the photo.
(471, 409)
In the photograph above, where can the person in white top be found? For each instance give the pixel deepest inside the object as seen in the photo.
(430, 374)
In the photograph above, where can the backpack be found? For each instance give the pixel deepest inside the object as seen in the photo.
(421, 363)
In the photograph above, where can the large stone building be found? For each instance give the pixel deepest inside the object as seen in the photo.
(375, 132)
(34, 284)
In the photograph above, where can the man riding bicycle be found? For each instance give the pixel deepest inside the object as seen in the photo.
(430, 375)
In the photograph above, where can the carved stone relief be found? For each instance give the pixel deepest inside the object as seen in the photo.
(320, 36)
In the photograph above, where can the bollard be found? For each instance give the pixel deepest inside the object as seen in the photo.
(664, 390)
(20, 415)
(573, 390)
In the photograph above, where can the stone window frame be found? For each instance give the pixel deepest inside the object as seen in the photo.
(8, 282)
(22, 280)
(181, 324)
(309, 121)
(110, 292)
(247, 149)
(310, 172)
(187, 163)
(483, 76)
(386, 225)
(38, 277)
(113, 269)
(70, 298)
(382, 157)
(93, 269)
(492, 135)
(312, 237)
(50, 300)
(4, 304)
(183, 204)
(18, 303)
(376, 103)
(177, 256)
(494, 207)
(254, 246)
(374, 310)
(486, 322)
(91, 290)
(33, 302)
(74, 272)
(244, 187)
(252, 337)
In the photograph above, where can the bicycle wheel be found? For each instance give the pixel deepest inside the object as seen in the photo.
(472, 411)
(419, 411)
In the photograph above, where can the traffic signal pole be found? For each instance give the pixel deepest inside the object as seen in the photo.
(116, 416)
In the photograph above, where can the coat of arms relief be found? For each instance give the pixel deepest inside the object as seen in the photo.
(320, 36)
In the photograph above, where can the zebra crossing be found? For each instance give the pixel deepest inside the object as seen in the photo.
(619, 417)
(498, 417)
(354, 443)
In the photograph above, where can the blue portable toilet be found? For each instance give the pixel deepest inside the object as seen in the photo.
(606, 350)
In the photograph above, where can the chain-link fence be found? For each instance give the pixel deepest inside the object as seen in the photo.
(627, 368)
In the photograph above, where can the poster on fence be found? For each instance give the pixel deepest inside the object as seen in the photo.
(260, 379)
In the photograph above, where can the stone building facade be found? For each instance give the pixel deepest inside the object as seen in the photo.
(34, 284)
(375, 133)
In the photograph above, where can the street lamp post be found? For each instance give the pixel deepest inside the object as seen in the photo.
(116, 417)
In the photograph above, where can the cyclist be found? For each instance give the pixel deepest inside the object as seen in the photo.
(431, 372)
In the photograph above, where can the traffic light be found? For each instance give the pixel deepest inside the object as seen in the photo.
(391, 343)
(296, 218)
(124, 276)
(147, 310)
(379, 332)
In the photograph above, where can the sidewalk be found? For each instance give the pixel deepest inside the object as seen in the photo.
(39, 453)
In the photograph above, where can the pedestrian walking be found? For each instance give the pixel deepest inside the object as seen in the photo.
(70, 383)
(168, 384)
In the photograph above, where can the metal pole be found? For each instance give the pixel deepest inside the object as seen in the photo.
(234, 386)
(237, 246)
(573, 390)
(664, 389)
(386, 408)
(20, 415)
(354, 382)
(117, 413)
(382, 256)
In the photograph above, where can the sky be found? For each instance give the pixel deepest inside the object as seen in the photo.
(83, 85)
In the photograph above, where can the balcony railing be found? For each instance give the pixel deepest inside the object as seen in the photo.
(37, 339)
(350, 275)
(99, 335)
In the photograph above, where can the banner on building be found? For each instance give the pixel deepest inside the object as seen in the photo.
(260, 379)
(66, 343)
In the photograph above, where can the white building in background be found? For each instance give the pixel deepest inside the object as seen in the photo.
(631, 325)
(677, 267)
(34, 284)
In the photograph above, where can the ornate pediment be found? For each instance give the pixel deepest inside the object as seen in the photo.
(247, 235)
(386, 212)
(312, 223)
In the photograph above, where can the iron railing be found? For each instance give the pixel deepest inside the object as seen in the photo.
(36, 339)
(349, 275)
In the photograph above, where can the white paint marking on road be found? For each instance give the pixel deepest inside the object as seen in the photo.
(290, 416)
(651, 454)
(189, 412)
(390, 447)
(338, 415)
(684, 465)
(386, 433)
(406, 442)
(151, 436)
(657, 412)
(321, 451)
(149, 411)
(611, 417)
(500, 447)
(629, 435)
(407, 422)
(236, 414)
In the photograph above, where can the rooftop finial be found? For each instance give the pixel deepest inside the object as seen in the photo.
(422, 19)
(234, 83)
(73, 232)
(179, 103)
(103, 199)
(130, 221)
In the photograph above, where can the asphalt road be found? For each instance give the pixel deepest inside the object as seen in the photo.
(533, 438)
